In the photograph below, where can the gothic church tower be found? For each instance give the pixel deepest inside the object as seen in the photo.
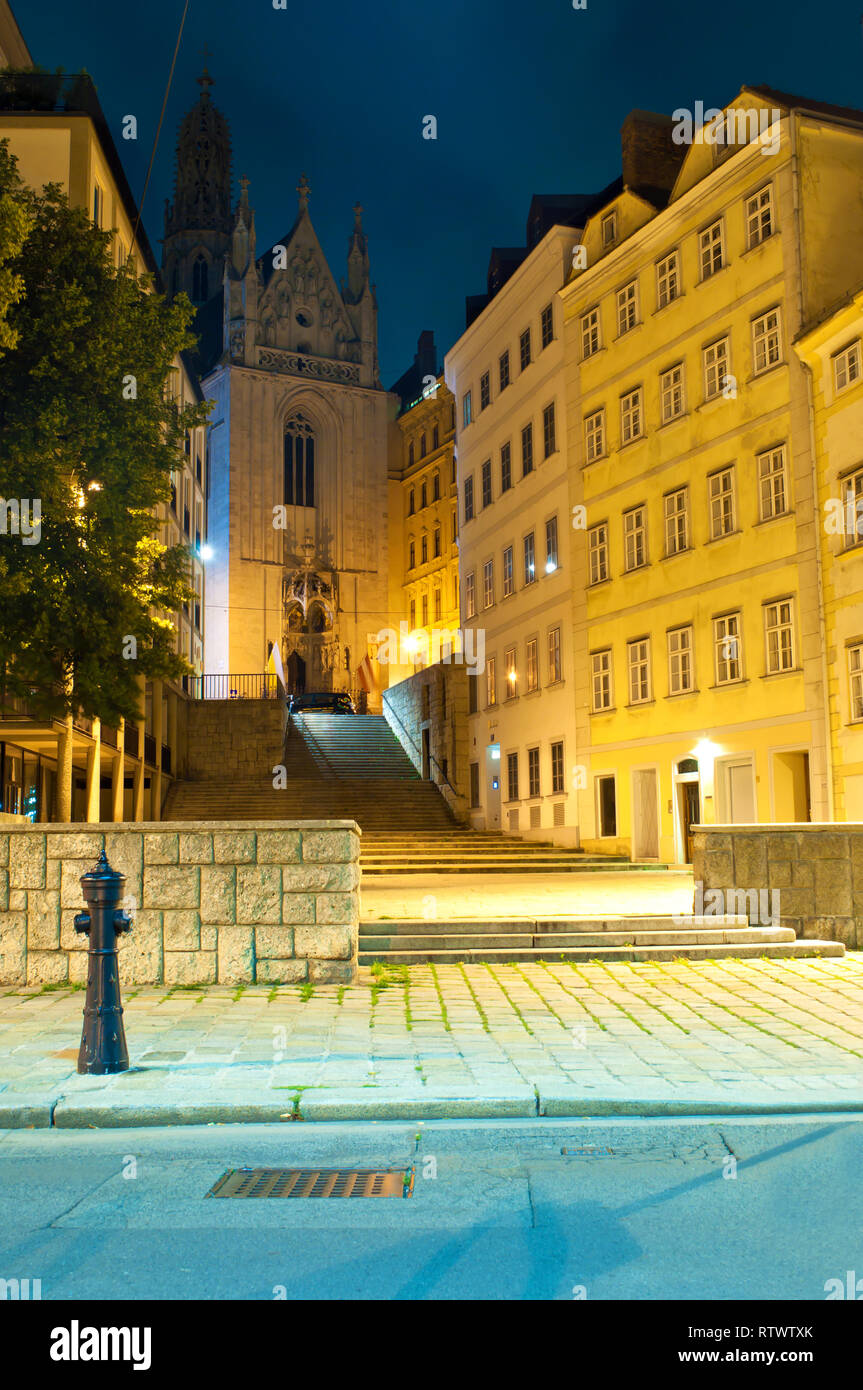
(299, 428)
(198, 222)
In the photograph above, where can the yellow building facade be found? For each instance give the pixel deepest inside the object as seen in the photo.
(57, 132)
(833, 353)
(699, 629)
(423, 514)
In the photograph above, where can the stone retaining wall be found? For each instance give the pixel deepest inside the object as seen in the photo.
(435, 698)
(240, 739)
(816, 869)
(217, 901)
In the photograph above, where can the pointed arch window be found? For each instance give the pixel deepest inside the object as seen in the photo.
(199, 280)
(299, 462)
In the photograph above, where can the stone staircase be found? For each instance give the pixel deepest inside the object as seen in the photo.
(580, 939)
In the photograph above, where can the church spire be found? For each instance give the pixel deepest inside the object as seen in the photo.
(358, 258)
(304, 192)
(198, 223)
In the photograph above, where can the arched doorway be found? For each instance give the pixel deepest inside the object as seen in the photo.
(687, 797)
(295, 674)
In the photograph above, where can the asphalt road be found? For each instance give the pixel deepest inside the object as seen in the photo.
(636, 1209)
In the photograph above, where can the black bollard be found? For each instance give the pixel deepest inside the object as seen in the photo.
(103, 1040)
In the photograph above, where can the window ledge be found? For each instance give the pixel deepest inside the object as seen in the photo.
(780, 516)
(612, 709)
(777, 675)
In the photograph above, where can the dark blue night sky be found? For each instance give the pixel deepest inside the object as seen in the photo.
(529, 97)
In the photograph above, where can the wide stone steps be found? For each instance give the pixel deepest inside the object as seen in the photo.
(348, 747)
(410, 942)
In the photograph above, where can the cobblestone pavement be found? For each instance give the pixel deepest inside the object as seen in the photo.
(436, 1041)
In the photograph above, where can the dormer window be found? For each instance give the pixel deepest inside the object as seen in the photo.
(609, 230)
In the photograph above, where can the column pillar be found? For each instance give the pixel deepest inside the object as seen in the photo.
(94, 773)
(158, 730)
(63, 810)
(118, 773)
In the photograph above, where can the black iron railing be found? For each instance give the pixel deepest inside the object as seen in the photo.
(253, 686)
(150, 750)
(130, 741)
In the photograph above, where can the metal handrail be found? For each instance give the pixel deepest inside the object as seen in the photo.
(432, 758)
(252, 685)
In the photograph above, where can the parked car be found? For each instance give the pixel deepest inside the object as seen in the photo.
(322, 702)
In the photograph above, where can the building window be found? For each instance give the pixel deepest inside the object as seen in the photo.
(424, 549)
(484, 391)
(597, 553)
(855, 681)
(635, 538)
(413, 612)
(533, 772)
(505, 467)
(474, 785)
(555, 670)
(425, 609)
(454, 525)
(759, 217)
(490, 682)
(627, 308)
(299, 463)
(630, 416)
(436, 437)
(488, 584)
(556, 769)
(608, 230)
(680, 677)
(715, 358)
(590, 333)
(721, 494)
(412, 555)
(436, 485)
(600, 671)
(766, 341)
(711, 250)
(99, 210)
(470, 596)
(676, 521)
(671, 393)
(667, 279)
(468, 498)
(548, 439)
(529, 559)
(546, 326)
(411, 454)
(638, 662)
(527, 450)
(424, 494)
(510, 673)
(594, 435)
(532, 664)
(727, 648)
(524, 349)
(199, 281)
(438, 605)
(423, 449)
(772, 483)
(486, 483)
(551, 545)
(466, 409)
(411, 503)
(436, 542)
(606, 806)
(846, 366)
(503, 370)
(779, 634)
(508, 575)
(852, 507)
(512, 776)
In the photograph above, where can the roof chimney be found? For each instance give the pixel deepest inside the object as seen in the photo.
(650, 158)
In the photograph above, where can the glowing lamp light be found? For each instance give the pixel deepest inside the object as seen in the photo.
(706, 750)
(412, 643)
(511, 675)
(495, 753)
(206, 552)
(550, 567)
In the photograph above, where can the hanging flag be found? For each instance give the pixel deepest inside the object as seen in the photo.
(366, 675)
(274, 664)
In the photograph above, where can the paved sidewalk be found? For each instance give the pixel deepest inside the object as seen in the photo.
(429, 1042)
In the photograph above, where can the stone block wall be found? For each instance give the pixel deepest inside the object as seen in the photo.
(217, 901)
(816, 869)
(238, 739)
(436, 698)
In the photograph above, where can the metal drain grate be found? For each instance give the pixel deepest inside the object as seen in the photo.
(314, 1182)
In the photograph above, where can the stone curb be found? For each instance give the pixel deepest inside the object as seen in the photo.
(103, 1112)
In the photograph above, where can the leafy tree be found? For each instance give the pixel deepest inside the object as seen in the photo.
(14, 227)
(88, 426)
